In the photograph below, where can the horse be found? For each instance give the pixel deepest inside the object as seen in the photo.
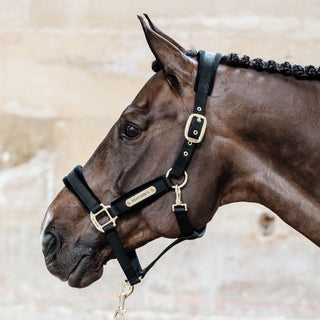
(261, 144)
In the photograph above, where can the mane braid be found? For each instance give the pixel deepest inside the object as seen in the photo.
(299, 72)
(271, 66)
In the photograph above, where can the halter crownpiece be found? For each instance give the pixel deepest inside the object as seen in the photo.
(152, 190)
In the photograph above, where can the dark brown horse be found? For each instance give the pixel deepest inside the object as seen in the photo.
(262, 144)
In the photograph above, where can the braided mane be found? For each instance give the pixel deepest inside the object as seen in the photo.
(299, 72)
(233, 60)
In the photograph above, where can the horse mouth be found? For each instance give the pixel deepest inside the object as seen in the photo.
(84, 273)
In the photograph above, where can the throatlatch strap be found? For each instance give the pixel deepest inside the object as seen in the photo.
(207, 68)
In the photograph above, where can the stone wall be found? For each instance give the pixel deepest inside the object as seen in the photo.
(67, 70)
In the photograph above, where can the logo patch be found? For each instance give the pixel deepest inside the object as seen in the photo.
(144, 194)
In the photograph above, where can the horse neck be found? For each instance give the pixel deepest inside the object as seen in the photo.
(268, 127)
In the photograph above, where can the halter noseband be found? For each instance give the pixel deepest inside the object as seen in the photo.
(152, 190)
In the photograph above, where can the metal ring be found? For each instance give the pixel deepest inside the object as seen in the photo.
(183, 183)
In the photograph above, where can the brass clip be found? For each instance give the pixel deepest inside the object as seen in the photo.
(126, 291)
(179, 203)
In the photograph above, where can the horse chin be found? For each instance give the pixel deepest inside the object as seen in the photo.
(84, 273)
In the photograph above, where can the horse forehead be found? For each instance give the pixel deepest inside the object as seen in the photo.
(155, 88)
(154, 100)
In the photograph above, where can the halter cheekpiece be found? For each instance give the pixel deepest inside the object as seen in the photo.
(152, 190)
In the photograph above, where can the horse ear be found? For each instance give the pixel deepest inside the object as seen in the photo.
(162, 34)
(169, 54)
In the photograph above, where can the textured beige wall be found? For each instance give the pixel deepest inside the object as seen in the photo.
(67, 70)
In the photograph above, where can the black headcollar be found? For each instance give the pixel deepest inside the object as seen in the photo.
(152, 190)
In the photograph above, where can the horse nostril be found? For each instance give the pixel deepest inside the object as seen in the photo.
(51, 243)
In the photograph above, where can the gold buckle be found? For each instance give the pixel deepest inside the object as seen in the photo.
(93, 217)
(188, 124)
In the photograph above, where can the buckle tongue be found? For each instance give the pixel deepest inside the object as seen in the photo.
(93, 217)
(199, 118)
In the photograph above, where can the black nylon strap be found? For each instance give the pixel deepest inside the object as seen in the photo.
(207, 68)
(183, 221)
(161, 185)
(128, 261)
(195, 235)
(78, 185)
(183, 159)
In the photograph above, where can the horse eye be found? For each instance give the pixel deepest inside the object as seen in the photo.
(131, 131)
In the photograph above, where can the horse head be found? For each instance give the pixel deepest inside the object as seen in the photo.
(261, 145)
(141, 145)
